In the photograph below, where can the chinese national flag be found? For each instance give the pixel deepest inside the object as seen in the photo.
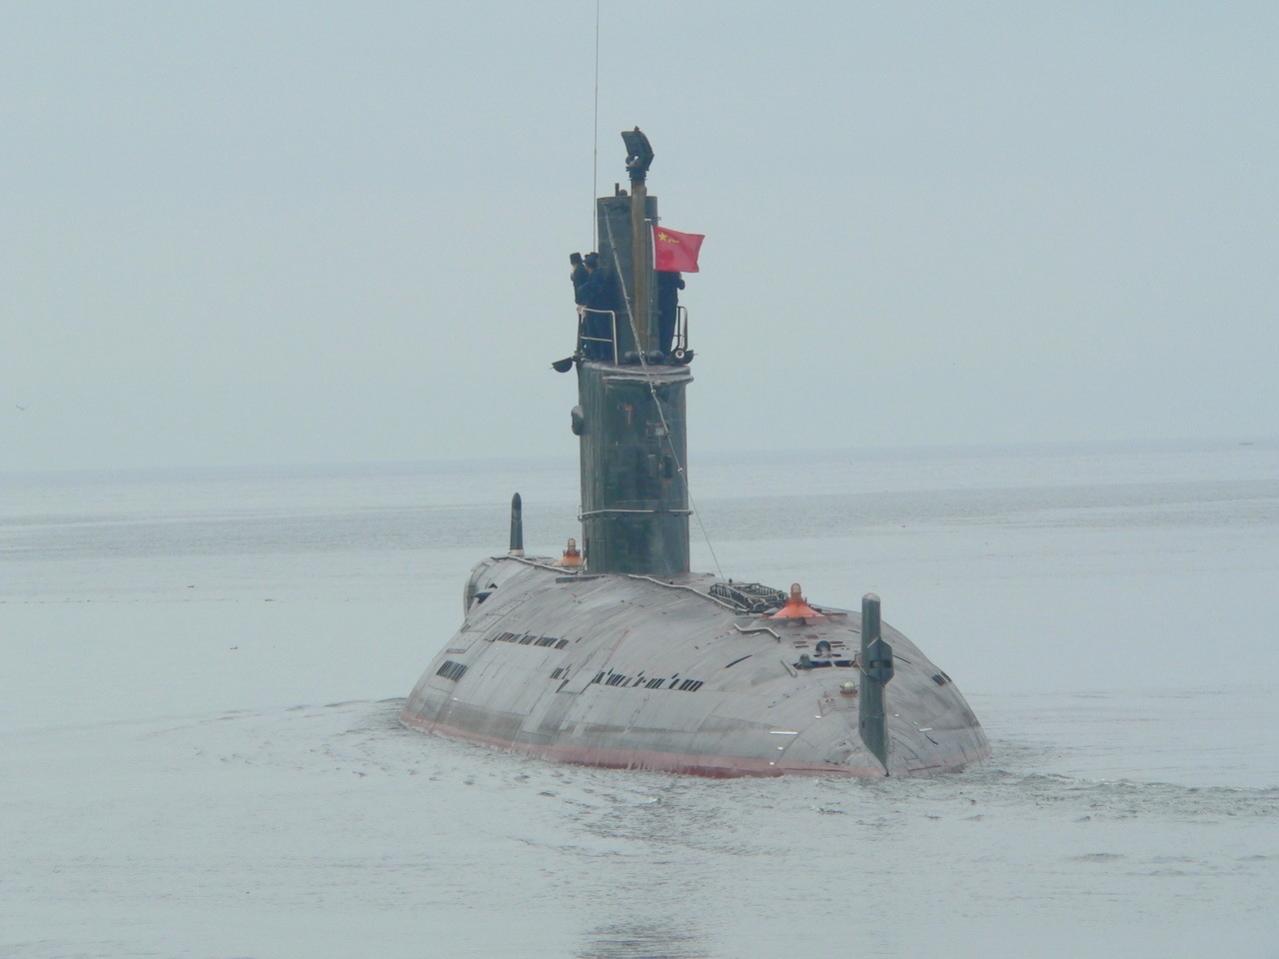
(675, 252)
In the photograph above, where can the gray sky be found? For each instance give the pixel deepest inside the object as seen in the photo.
(289, 233)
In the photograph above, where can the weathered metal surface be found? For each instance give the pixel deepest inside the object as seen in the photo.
(632, 661)
(634, 492)
(629, 671)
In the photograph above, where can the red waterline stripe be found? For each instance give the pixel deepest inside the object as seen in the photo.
(715, 767)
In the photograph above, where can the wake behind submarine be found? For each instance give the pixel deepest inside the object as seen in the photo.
(618, 655)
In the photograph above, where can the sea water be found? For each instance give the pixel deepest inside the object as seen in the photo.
(202, 671)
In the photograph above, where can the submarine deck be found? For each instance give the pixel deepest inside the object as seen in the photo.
(685, 674)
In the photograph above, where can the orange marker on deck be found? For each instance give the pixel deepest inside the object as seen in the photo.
(797, 606)
(571, 555)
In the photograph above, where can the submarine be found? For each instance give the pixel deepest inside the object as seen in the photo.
(616, 654)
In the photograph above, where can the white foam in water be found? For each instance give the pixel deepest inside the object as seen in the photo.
(202, 673)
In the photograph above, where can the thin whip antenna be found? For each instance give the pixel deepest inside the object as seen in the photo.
(595, 136)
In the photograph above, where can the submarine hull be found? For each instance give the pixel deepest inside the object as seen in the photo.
(674, 674)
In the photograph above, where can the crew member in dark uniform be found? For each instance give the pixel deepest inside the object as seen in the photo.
(599, 297)
(579, 275)
(668, 287)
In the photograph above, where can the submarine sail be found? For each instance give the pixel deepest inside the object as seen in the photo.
(619, 655)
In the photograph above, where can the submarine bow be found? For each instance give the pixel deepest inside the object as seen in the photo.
(618, 655)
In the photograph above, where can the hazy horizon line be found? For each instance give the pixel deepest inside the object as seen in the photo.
(547, 460)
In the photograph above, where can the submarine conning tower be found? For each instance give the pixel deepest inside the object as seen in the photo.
(631, 415)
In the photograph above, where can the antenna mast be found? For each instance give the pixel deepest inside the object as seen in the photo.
(595, 136)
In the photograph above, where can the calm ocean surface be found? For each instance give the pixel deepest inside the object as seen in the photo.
(202, 670)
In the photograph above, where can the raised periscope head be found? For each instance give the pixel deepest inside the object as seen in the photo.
(639, 154)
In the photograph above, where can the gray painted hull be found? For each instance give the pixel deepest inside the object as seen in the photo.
(631, 672)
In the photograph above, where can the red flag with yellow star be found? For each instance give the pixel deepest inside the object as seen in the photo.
(675, 252)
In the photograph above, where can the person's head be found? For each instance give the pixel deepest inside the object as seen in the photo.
(592, 261)
(575, 259)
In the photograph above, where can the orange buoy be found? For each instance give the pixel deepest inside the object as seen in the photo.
(796, 606)
(571, 555)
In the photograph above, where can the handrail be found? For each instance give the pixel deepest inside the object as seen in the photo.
(691, 589)
(758, 629)
(601, 512)
(680, 339)
(583, 338)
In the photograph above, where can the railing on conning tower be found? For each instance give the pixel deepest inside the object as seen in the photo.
(679, 347)
(583, 339)
(679, 340)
